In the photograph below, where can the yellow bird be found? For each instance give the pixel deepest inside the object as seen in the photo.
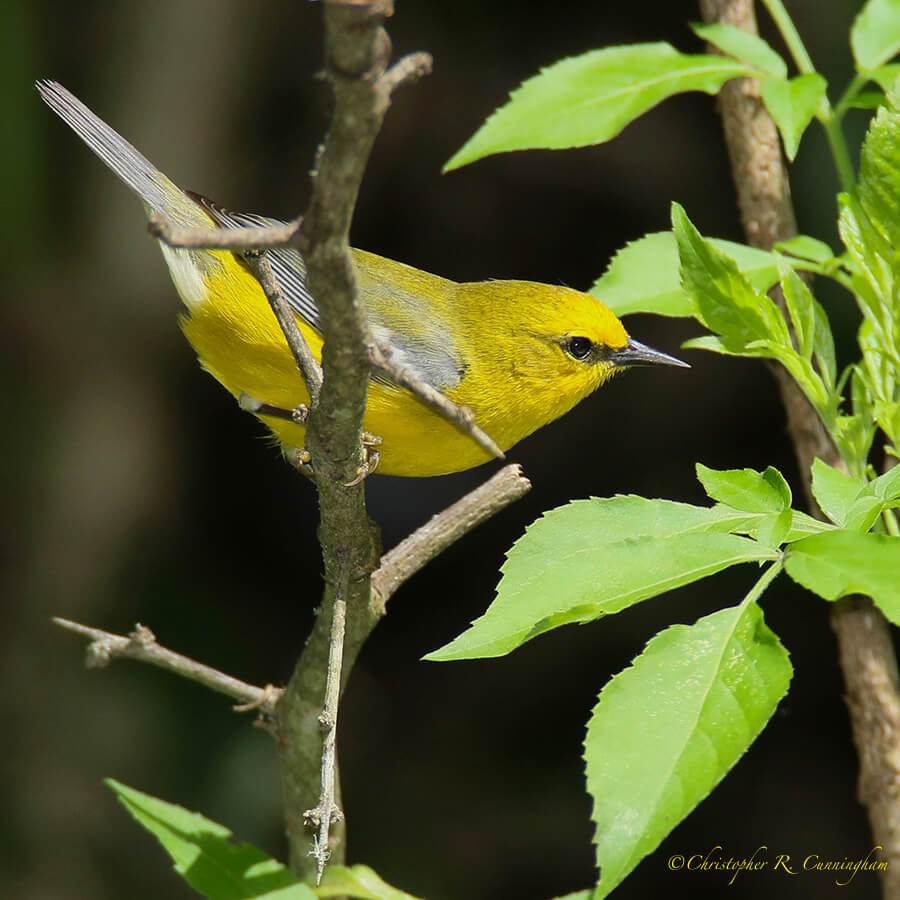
(517, 353)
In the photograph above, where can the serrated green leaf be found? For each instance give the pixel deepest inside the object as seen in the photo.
(875, 34)
(866, 254)
(742, 45)
(644, 275)
(835, 491)
(805, 247)
(589, 99)
(726, 301)
(854, 436)
(746, 489)
(204, 856)
(359, 882)
(666, 730)
(879, 170)
(595, 557)
(792, 104)
(839, 563)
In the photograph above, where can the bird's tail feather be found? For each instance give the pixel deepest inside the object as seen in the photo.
(158, 193)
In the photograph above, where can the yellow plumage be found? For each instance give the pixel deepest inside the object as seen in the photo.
(519, 354)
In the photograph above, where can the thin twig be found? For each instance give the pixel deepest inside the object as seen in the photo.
(865, 649)
(326, 812)
(142, 645)
(381, 358)
(284, 234)
(424, 544)
(303, 356)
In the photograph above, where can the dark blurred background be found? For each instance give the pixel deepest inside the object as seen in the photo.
(136, 491)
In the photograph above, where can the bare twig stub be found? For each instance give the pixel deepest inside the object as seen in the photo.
(866, 651)
(142, 645)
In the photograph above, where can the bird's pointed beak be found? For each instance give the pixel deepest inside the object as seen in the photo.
(634, 353)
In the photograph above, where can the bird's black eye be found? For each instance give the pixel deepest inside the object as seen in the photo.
(579, 347)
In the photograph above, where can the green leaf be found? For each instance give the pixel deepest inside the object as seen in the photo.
(358, 882)
(879, 169)
(847, 501)
(205, 857)
(806, 247)
(749, 48)
(887, 486)
(835, 491)
(644, 276)
(767, 524)
(823, 344)
(866, 100)
(854, 436)
(866, 250)
(887, 415)
(875, 35)
(838, 563)
(589, 99)
(727, 302)
(774, 529)
(746, 489)
(803, 525)
(800, 306)
(792, 104)
(666, 730)
(596, 557)
(885, 76)
(864, 513)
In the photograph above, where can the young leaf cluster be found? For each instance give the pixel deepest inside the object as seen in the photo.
(728, 291)
(666, 730)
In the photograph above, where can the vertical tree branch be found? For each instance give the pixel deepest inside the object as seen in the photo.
(357, 51)
(865, 649)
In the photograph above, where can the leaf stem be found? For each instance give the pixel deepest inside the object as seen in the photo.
(826, 115)
(763, 582)
(850, 93)
(839, 152)
(791, 36)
